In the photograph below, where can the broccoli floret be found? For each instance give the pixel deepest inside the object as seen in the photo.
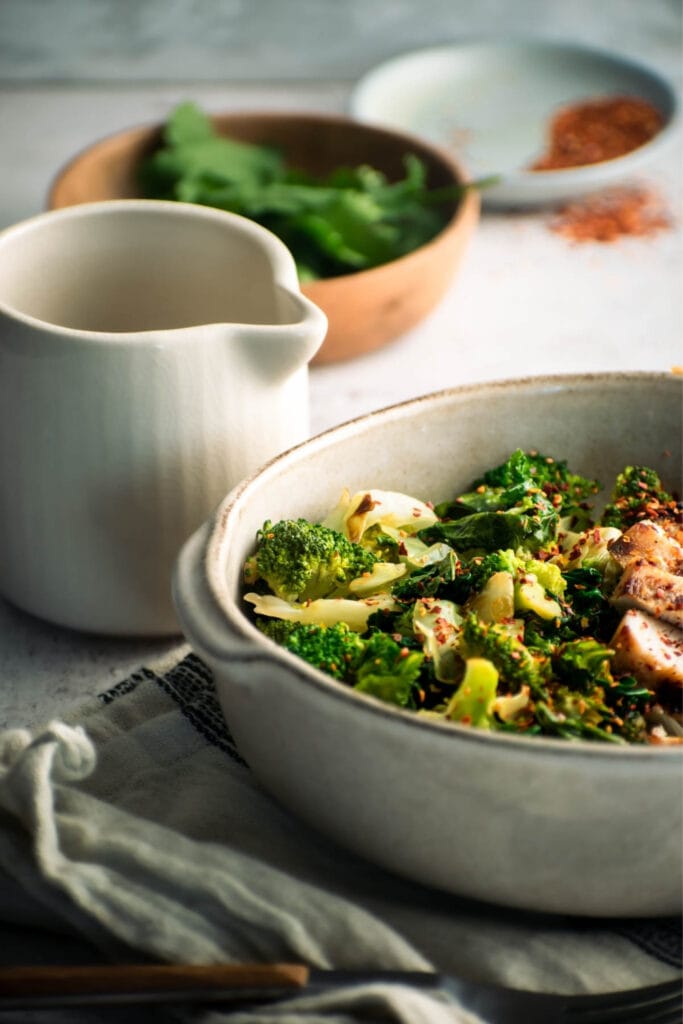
(303, 561)
(389, 670)
(333, 649)
(377, 665)
(516, 663)
(638, 494)
(473, 575)
(278, 630)
(583, 664)
(567, 491)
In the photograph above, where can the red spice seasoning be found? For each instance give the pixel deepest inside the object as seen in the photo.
(598, 129)
(607, 216)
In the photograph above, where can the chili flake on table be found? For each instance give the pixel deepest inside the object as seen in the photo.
(607, 216)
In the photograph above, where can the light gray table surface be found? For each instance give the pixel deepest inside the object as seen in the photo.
(526, 301)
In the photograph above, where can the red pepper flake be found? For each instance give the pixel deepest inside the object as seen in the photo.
(606, 216)
(594, 130)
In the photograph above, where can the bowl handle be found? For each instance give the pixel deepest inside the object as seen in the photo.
(206, 626)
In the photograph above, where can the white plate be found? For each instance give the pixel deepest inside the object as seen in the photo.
(490, 101)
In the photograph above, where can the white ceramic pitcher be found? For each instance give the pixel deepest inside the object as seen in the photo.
(152, 354)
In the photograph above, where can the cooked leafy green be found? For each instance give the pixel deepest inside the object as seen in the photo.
(493, 609)
(351, 219)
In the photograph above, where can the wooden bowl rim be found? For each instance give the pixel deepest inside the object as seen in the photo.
(467, 207)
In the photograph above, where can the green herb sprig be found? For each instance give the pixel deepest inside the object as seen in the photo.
(351, 219)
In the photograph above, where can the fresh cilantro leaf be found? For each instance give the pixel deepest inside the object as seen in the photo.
(352, 219)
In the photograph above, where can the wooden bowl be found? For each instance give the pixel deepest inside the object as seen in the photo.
(366, 309)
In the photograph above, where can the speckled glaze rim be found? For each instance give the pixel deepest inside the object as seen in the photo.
(192, 214)
(265, 650)
(467, 206)
(608, 170)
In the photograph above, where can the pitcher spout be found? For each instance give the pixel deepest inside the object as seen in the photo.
(275, 351)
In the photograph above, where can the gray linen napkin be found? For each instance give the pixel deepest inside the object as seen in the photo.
(134, 824)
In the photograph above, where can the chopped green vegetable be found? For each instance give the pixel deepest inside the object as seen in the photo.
(472, 703)
(531, 524)
(517, 664)
(377, 665)
(302, 561)
(389, 670)
(638, 494)
(352, 219)
(333, 649)
(495, 609)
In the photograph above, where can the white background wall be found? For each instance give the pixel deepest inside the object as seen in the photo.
(290, 40)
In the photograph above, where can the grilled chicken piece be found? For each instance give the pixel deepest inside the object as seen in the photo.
(649, 542)
(652, 590)
(649, 649)
(652, 577)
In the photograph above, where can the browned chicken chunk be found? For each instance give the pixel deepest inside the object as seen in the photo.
(652, 577)
(649, 649)
(649, 542)
(652, 590)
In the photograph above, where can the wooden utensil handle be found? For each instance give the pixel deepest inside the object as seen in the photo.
(119, 978)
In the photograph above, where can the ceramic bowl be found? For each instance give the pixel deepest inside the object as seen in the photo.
(365, 310)
(536, 823)
(490, 100)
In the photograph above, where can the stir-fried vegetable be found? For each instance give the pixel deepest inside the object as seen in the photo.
(506, 608)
